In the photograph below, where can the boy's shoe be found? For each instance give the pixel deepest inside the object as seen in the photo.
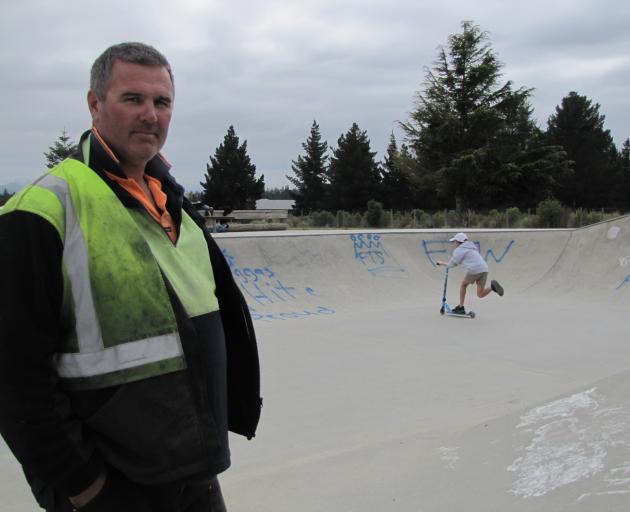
(459, 310)
(496, 287)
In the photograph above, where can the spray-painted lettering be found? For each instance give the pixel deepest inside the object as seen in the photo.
(624, 282)
(262, 287)
(438, 249)
(319, 311)
(371, 253)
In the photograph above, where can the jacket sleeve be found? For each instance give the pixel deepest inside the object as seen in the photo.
(456, 259)
(244, 401)
(36, 418)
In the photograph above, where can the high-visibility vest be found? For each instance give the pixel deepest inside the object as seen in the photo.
(119, 321)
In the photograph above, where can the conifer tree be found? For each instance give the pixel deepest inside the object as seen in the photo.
(5, 196)
(471, 132)
(578, 127)
(398, 181)
(625, 156)
(310, 173)
(60, 150)
(230, 180)
(279, 193)
(353, 173)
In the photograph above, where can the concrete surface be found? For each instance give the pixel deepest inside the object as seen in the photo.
(373, 401)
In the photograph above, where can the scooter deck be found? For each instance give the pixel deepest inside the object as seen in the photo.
(469, 314)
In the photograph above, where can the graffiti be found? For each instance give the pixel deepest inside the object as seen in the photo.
(319, 311)
(624, 282)
(370, 252)
(490, 252)
(262, 287)
(613, 232)
(433, 249)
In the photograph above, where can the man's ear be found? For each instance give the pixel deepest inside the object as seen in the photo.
(93, 104)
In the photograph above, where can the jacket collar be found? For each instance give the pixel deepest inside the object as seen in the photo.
(96, 154)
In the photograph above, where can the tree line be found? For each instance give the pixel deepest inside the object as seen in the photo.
(470, 143)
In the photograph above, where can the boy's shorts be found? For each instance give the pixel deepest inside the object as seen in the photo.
(480, 279)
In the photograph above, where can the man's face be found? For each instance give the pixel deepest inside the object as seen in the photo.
(136, 112)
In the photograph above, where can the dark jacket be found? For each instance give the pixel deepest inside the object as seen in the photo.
(161, 429)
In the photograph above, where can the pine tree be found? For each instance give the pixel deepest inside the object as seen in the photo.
(470, 131)
(279, 193)
(310, 173)
(5, 196)
(353, 173)
(230, 180)
(60, 150)
(625, 155)
(578, 127)
(398, 183)
(622, 181)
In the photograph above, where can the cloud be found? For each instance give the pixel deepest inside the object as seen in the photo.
(270, 68)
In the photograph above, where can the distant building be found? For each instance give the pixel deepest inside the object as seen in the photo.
(275, 204)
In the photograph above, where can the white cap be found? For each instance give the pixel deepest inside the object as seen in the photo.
(459, 237)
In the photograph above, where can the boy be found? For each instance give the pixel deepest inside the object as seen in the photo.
(477, 270)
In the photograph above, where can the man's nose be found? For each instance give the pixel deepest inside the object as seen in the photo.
(148, 114)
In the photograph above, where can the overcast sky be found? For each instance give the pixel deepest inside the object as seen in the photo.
(272, 67)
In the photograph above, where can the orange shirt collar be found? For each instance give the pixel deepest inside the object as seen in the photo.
(160, 214)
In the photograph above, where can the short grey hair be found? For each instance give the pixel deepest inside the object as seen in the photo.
(134, 53)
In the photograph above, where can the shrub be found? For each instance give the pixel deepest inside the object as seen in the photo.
(374, 215)
(403, 220)
(551, 214)
(423, 220)
(527, 221)
(299, 221)
(595, 217)
(322, 219)
(453, 219)
(512, 216)
(494, 219)
(352, 220)
(438, 219)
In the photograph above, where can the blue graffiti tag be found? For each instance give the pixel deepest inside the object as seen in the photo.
(624, 282)
(320, 311)
(370, 252)
(261, 285)
(489, 252)
(428, 252)
(442, 248)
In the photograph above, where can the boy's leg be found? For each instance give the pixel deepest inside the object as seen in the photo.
(462, 292)
(482, 292)
(481, 279)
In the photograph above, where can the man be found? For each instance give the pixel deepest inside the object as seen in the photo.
(466, 253)
(128, 350)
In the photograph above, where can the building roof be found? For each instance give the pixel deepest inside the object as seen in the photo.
(275, 204)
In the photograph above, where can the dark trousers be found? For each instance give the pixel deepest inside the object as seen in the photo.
(199, 495)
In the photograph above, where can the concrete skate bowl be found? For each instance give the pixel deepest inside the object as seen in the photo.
(290, 275)
(376, 402)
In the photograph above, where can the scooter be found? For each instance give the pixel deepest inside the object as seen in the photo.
(446, 309)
